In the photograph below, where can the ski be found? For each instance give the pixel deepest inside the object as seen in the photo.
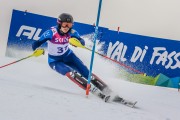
(108, 98)
(116, 99)
(99, 89)
(123, 101)
(95, 91)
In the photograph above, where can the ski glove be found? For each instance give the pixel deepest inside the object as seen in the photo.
(38, 52)
(80, 39)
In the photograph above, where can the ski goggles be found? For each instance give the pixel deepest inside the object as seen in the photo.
(66, 24)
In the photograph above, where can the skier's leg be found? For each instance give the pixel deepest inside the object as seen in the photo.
(96, 81)
(64, 69)
(79, 66)
(77, 78)
(80, 81)
(60, 67)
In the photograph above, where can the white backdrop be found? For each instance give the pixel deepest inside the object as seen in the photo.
(157, 18)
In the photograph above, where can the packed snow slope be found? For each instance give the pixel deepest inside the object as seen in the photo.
(31, 90)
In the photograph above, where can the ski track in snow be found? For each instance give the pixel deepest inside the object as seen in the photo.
(30, 90)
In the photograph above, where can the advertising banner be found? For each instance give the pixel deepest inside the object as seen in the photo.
(146, 54)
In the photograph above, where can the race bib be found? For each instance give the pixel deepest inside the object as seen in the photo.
(57, 49)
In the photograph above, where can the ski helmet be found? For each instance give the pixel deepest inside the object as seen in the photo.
(65, 17)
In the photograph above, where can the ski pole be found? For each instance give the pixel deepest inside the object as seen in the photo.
(77, 43)
(36, 53)
(93, 50)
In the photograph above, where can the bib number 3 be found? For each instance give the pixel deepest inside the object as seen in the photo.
(62, 49)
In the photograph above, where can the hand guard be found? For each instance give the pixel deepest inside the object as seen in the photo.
(76, 43)
(38, 52)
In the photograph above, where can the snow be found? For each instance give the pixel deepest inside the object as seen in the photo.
(30, 90)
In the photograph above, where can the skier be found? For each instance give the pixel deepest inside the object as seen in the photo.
(61, 58)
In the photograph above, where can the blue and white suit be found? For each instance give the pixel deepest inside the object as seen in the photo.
(60, 57)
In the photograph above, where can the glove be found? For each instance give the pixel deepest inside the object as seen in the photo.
(39, 52)
(75, 42)
(78, 39)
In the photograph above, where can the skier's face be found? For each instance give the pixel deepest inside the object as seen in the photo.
(65, 26)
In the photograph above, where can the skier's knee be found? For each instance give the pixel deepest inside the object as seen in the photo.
(63, 70)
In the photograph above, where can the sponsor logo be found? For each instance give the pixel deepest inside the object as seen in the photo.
(30, 32)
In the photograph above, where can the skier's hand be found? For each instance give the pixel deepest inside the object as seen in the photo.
(71, 42)
(77, 42)
(39, 52)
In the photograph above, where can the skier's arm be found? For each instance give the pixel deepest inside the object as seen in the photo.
(75, 34)
(44, 37)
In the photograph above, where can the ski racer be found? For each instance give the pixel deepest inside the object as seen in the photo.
(61, 58)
